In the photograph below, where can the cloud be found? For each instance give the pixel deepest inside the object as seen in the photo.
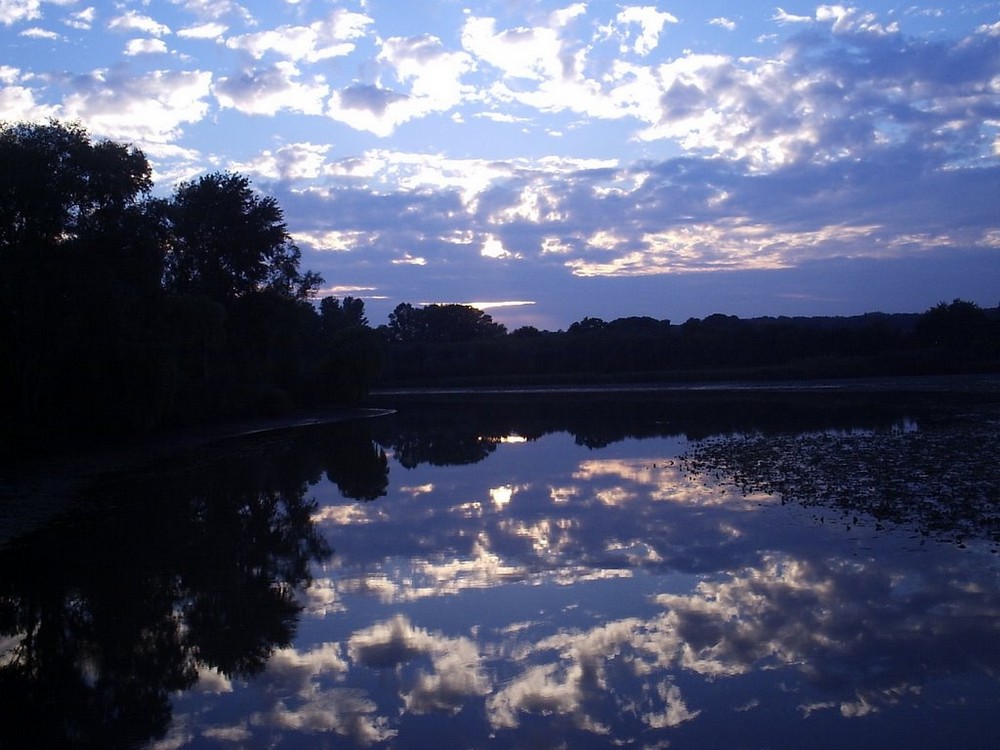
(434, 75)
(455, 674)
(820, 102)
(318, 708)
(676, 217)
(145, 47)
(38, 33)
(295, 161)
(208, 30)
(266, 91)
(428, 80)
(14, 11)
(212, 10)
(529, 53)
(344, 711)
(992, 29)
(365, 107)
(133, 21)
(724, 23)
(783, 17)
(650, 22)
(321, 40)
(17, 100)
(83, 19)
(150, 107)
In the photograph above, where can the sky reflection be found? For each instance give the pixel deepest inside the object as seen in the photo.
(556, 595)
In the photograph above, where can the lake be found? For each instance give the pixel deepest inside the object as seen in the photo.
(692, 568)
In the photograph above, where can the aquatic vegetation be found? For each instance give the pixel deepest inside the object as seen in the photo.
(941, 478)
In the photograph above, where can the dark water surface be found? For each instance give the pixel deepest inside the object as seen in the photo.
(700, 570)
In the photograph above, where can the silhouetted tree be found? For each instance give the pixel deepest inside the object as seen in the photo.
(586, 325)
(56, 183)
(442, 323)
(230, 241)
(526, 332)
(80, 255)
(123, 313)
(957, 325)
(337, 314)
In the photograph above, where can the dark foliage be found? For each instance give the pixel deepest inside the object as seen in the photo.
(949, 338)
(123, 314)
(450, 323)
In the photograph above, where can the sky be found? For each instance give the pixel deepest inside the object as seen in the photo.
(548, 161)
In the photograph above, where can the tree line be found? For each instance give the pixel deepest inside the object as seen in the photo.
(124, 313)
(449, 344)
(121, 312)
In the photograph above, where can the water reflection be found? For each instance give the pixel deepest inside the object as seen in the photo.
(548, 593)
(160, 582)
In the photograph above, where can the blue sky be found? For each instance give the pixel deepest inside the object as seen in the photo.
(553, 160)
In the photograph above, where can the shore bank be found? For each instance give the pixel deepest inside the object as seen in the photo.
(35, 490)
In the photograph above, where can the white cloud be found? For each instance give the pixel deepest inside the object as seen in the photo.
(530, 53)
(209, 30)
(13, 11)
(341, 710)
(151, 107)
(455, 677)
(38, 33)
(565, 15)
(214, 9)
(429, 81)
(145, 47)
(650, 21)
(295, 161)
(724, 23)
(321, 40)
(783, 17)
(992, 29)
(367, 107)
(456, 666)
(542, 690)
(493, 248)
(17, 101)
(270, 90)
(133, 21)
(319, 708)
(18, 105)
(83, 19)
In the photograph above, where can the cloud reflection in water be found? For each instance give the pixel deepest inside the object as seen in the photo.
(619, 600)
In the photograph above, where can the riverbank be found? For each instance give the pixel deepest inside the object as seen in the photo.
(36, 489)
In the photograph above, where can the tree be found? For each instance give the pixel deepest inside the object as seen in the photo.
(405, 323)
(229, 241)
(957, 325)
(80, 268)
(349, 351)
(337, 315)
(56, 184)
(442, 323)
(587, 325)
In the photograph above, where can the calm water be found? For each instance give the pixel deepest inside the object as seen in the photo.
(559, 572)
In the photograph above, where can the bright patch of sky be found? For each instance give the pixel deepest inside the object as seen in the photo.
(592, 158)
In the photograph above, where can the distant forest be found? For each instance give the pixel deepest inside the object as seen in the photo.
(123, 314)
(456, 345)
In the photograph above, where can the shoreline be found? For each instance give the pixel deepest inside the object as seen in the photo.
(39, 488)
(984, 383)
